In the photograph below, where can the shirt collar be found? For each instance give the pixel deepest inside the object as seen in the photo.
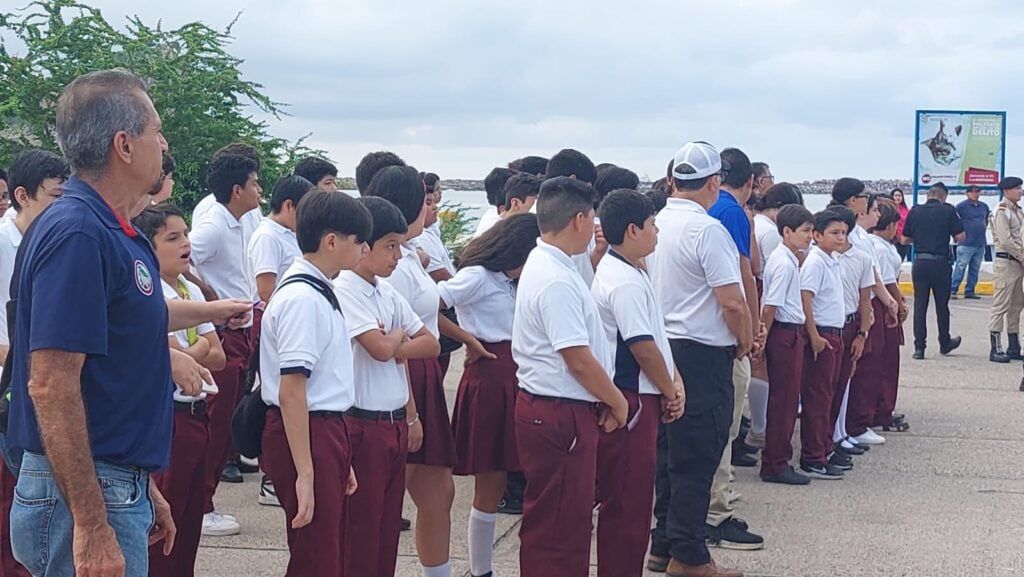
(829, 257)
(301, 265)
(79, 189)
(684, 204)
(13, 234)
(364, 288)
(556, 253)
(612, 253)
(276, 226)
(229, 218)
(727, 196)
(933, 201)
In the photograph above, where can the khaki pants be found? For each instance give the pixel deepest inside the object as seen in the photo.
(720, 510)
(1009, 296)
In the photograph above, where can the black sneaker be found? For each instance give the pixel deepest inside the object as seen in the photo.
(231, 473)
(732, 535)
(248, 467)
(918, 354)
(841, 461)
(852, 451)
(743, 460)
(405, 525)
(949, 347)
(788, 477)
(825, 472)
(510, 505)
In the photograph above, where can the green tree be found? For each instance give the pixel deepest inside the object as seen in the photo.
(194, 81)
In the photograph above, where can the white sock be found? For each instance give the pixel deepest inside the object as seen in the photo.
(840, 429)
(481, 541)
(757, 395)
(439, 571)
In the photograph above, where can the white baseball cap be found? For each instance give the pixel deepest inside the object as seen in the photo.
(697, 160)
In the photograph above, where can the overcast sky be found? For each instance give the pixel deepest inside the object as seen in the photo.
(817, 88)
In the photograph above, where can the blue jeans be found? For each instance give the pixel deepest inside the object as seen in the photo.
(967, 257)
(11, 456)
(42, 530)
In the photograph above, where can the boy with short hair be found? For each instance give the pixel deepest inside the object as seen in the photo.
(783, 316)
(273, 247)
(520, 194)
(318, 171)
(494, 186)
(306, 376)
(821, 293)
(644, 373)
(559, 344)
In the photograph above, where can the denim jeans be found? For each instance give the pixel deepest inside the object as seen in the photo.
(11, 456)
(42, 530)
(967, 257)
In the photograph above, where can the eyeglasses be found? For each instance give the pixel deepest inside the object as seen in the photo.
(862, 195)
(723, 174)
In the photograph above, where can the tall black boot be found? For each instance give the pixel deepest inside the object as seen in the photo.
(1013, 347)
(996, 354)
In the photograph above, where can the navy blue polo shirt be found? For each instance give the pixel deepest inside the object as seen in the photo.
(90, 284)
(975, 219)
(729, 212)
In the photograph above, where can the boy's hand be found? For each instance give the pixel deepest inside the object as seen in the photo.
(672, 408)
(818, 344)
(857, 348)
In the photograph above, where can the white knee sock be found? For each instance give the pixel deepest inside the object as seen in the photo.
(481, 541)
(439, 571)
(757, 394)
(840, 429)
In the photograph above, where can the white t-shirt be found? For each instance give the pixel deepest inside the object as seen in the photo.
(768, 238)
(555, 311)
(857, 273)
(820, 275)
(861, 239)
(431, 244)
(380, 386)
(489, 218)
(630, 313)
(10, 240)
(484, 300)
(694, 256)
(415, 285)
(782, 286)
(194, 295)
(272, 249)
(220, 253)
(303, 334)
(888, 259)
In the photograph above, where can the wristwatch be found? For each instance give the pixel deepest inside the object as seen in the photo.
(862, 334)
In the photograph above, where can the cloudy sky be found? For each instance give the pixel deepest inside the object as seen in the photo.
(818, 89)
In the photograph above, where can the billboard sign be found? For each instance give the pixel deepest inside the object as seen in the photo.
(959, 148)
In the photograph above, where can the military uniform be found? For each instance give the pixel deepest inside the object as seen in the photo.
(1008, 267)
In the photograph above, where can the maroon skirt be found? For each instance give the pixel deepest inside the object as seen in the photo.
(484, 417)
(428, 391)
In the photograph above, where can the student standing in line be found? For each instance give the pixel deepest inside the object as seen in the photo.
(306, 376)
(521, 194)
(384, 331)
(574, 164)
(321, 173)
(484, 294)
(888, 255)
(535, 165)
(371, 164)
(494, 186)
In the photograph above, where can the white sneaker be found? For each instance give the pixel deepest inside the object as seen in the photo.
(267, 494)
(217, 525)
(870, 438)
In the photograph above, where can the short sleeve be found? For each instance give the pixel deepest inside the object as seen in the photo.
(359, 318)
(205, 240)
(812, 276)
(737, 223)
(405, 317)
(956, 226)
(631, 307)
(69, 299)
(433, 247)
(299, 334)
(560, 306)
(265, 255)
(718, 257)
(871, 264)
(777, 281)
(464, 288)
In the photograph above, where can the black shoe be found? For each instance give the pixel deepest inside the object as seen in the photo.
(740, 444)
(972, 297)
(743, 460)
(949, 347)
(841, 461)
(231, 473)
(247, 468)
(657, 563)
(745, 422)
(853, 451)
(788, 477)
(918, 354)
(824, 472)
(732, 535)
(405, 525)
(510, 505)
(1013, 347)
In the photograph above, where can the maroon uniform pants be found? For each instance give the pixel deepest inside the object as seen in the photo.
(784, 353)
(818, 386)
(845, 366)
(626, 467)
(318, 549)
(890, 372)
(221, 407)
(868, 381)
(373, 514)
(183, 484)
(557, 441)
(9, 566)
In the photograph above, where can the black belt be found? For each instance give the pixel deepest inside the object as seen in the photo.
(830, 331)
(329, 414)
(1005, 255)
(689, 343)
(559, 399)
(851, 317)
(395, 416)
(193, 407)
(787, 326)
(930, 256)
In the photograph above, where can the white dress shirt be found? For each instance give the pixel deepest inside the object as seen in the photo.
(782, 286)
(220, 253)
(484, 300)
(821, 276)
(272, 249)
(415, 285)
(768, 238)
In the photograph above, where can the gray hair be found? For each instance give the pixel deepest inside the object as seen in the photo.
(92, 109)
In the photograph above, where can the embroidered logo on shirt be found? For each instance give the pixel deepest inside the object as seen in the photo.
(143, 279)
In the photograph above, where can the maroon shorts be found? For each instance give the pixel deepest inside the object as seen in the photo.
(484, 419)
(428, 391)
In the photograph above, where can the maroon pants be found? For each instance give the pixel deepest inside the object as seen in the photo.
(867, 383)
(183, 484)
(318, 548)
(818, 386)
(626, 463)
(9, 567)
(220, 407)
(557, 441)
(373, 514)
(784, 352)
(890, 372)
(845, 366)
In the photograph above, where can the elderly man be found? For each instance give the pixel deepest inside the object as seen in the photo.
(91, 392)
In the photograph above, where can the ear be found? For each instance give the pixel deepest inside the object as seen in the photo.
(20, 194)
(122, 147)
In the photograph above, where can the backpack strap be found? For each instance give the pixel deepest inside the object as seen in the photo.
(319, 285)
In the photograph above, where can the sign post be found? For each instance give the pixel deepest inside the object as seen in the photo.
(959, 149)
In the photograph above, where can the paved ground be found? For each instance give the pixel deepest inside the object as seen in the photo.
(944, 499)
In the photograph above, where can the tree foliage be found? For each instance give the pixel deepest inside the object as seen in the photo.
(195, 83)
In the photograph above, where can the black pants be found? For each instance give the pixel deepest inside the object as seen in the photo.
(662, 495)
(931, 277)
(903, 250)
(695, 445)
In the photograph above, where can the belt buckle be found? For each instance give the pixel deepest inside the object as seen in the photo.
(193, 408)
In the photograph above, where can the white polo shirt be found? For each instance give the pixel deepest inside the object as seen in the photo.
(251, 219)
(194, 295)
(220, 253)
(694, 256)
(857, 272)
(272, 249)
(782, 286)
(489, 218)
(484, 300)
(768, 238)
(554, 311)
(415, 285)
(380, 386)
(302, 333)
(431, 244)
(630, 313)
(888, 259)
(10, 240)
(861, 238)
(821, 276)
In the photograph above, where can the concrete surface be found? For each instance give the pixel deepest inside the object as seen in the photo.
(945, 499)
